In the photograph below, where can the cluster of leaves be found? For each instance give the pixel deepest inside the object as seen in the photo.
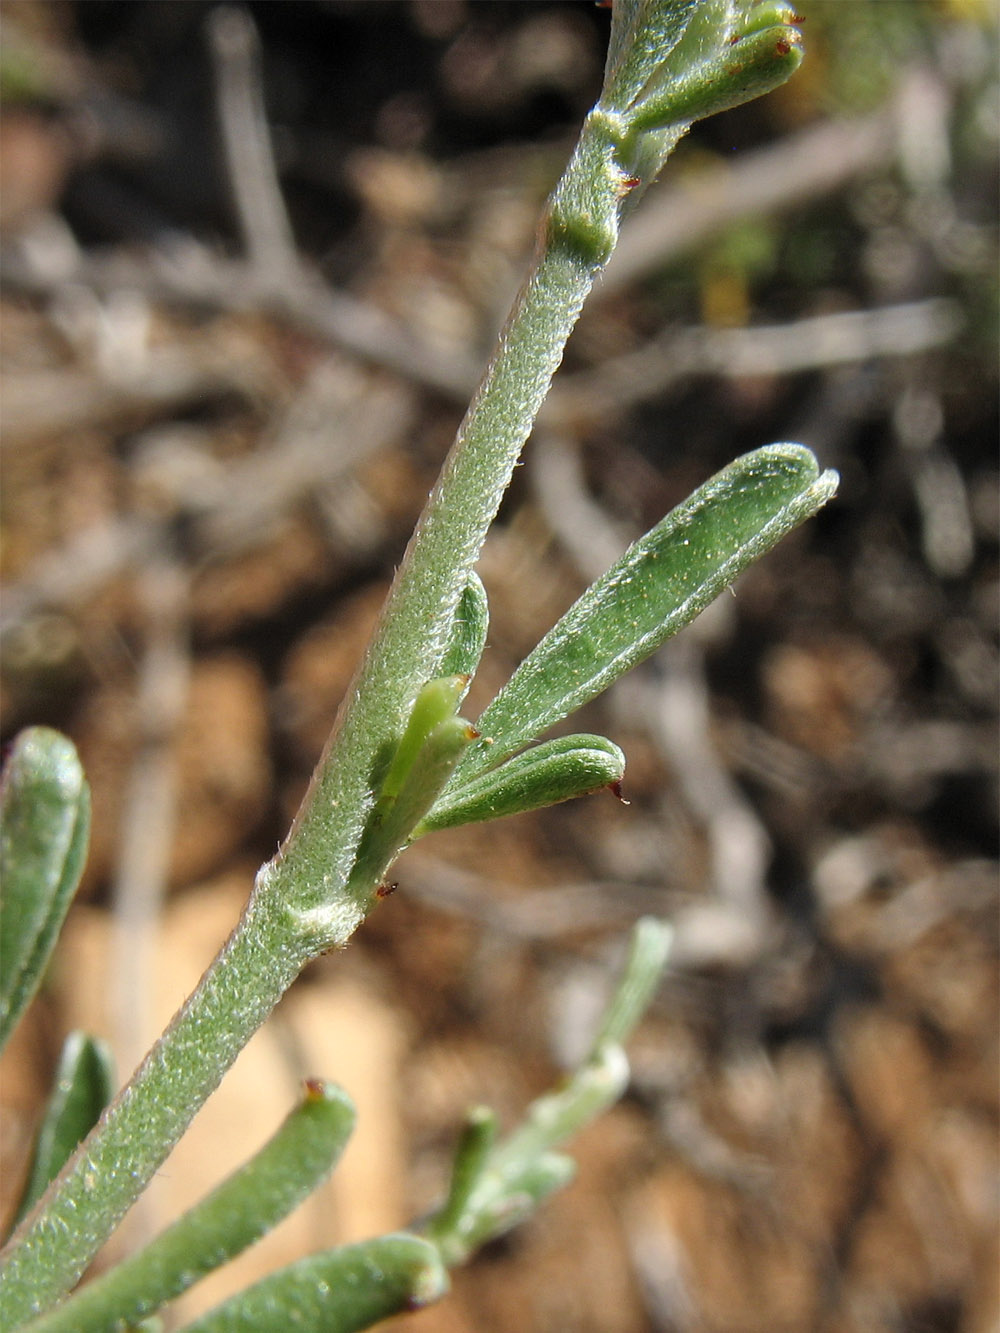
(402, 763)
(660, 584)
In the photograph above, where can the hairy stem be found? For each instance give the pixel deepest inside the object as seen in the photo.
(54, 1245)
(314, 894)
(301, 905)
(413, 634)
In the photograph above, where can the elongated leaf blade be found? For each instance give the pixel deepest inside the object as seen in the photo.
(240, 1210)
(642, 33)
(468, 631)
(338, 1291)
(660, 584)
(44, 827)
(558, 770)
(648, 953)
(435, 703)
(84, 1084)
(757, 64)
(494, 1186)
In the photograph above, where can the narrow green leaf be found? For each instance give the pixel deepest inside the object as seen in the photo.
(338, 1291)
(495, 1187)
(435, 703)
(83, 1086)
(234, 1215)
(468, 631)
(765, 14)
(44, 826)
(555, 771)
(660, 584)
(642, 34)
(709, 30)
(428, 775)
(471, 1156)
(508, 1200)
(758, 63)
(393, 821)
(647, 957)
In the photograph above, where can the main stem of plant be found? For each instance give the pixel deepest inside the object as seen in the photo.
(299, 906)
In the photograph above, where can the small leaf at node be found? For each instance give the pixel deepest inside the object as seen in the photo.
(468, 632)
(339, 1291)
(83, 1086)
(658, 586)
(558, 770)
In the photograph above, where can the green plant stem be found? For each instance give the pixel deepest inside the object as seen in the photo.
(299, 907)
(244, 1207)
(413, 634)
(50, 1251)
(305, 901)
(496, 1185)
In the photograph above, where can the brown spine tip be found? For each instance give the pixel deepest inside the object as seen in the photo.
(384, 890)
(471, 733)
(616, 788)
(783, 47)
(315, 1089)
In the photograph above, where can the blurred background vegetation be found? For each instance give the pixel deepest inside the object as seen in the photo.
(252, 260)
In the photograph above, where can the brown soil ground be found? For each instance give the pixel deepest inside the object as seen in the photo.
(210, 470)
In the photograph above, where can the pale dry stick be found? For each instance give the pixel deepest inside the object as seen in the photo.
(661, 1268)
(814, 162)
(813, 343)
(253, 177)
(543, 915)
(845, 337)
(775, 764)
(947, 534)
(677, 712)
(342, 417)
(731, 927)
(140, 878)
(42, 404)
(70, 574)
(193, 276)
(908, 758)
(303, 459)
(584, 530)
(86, 564)
(826, 340)
(36, 411)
